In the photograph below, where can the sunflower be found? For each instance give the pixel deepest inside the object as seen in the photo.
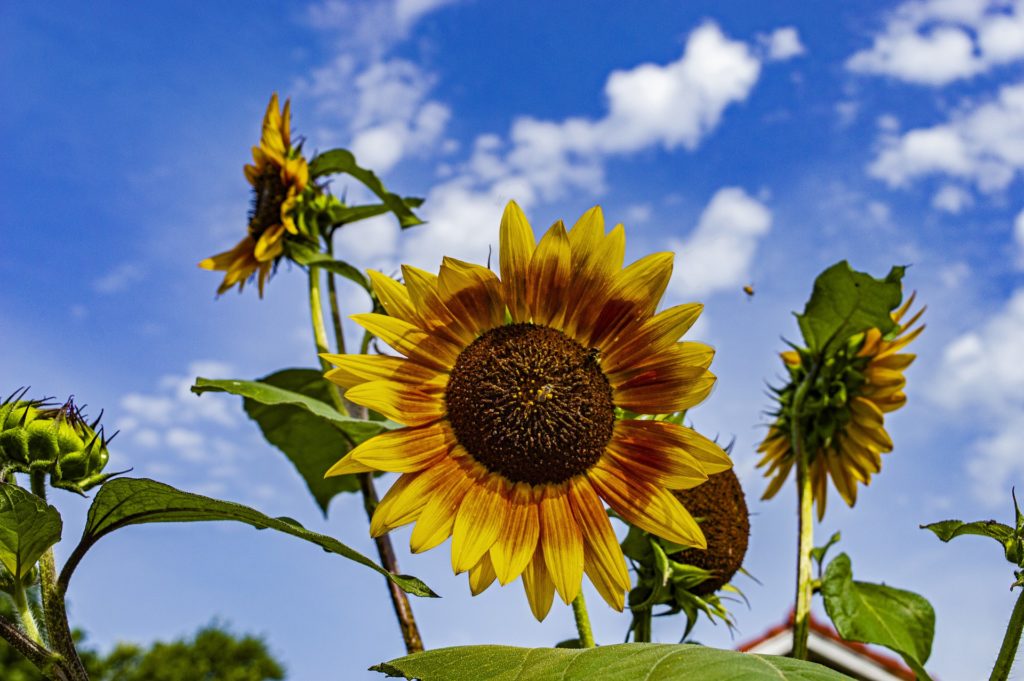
(847, 436)
(278, 175)
(513, 392)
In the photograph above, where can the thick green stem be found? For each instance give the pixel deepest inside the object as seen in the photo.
(54, 611)
(399, 599)
(1011, 641)
(642, 625)
(805, 501)
(579, 609)
(28, 620)
(52, 665)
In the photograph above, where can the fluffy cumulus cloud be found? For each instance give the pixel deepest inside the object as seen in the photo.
(982, 378)
(983, 145)
(952, 199)
(935, 42)
(782, 44)
(673, 106)
(718, 253)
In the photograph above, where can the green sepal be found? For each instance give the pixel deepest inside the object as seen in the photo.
(343, 161)
(899, 620)
(846, 302)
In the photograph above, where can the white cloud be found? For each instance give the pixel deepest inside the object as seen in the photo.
(935, 42)
(952, 199)
(719, 252)
(982, 377)
(782, 44)
(118, 279)
(1018, 238)
(983, 145)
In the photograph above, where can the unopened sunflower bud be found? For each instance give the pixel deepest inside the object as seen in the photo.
(37, 436)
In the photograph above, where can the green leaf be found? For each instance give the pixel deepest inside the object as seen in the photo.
(134, 501)
(290, 407)
(28, 527)
(304, 254)
(948, 529)
(818, 552)
(622, 662)
(342, 161)
(846, 302)
(343, 215)
(874, 613)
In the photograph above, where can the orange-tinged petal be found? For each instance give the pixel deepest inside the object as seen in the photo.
(400, 402)
(547, 279)
(353, 370)
(562, 542)
(478, 523)
(896, 362)
(540, 590)
(633, 299)
(520, 530)
(406, 450)
(663, 386)
(657, 333)
(653, 459)
(645, 505)
(604, 562)
(711, 456)
(481, 576)
(437, 518)
(405, 500)
(472, 293)
(516, 245)
(425, 296)
(415, 343)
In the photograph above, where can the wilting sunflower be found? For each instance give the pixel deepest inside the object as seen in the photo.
(512, 392)
(846, 436)
(278, 175)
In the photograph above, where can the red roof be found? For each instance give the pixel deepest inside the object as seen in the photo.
(890, 663)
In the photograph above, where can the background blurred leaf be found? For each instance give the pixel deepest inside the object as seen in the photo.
(948, 529)
(845, 302)
(622, 662)
(304, 254)
(134, 501)
(342, 161)
(874, 613)
(291, 408)
(28, 526)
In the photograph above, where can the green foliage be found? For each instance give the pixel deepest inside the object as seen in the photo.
(342, 161)
(622, 662)
(874, 613)
(28, 527)
(305, 254)
(291, 408)
(134, 501)
(818, 553)
(846, 302)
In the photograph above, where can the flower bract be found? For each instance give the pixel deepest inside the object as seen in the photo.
(514, 393)
(278, 174)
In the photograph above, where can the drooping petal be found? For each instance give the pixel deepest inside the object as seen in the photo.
(478, 523)
(540, 590)
(406, 450)
(481, 576)
(653, 459)
(603, 559)
(405, 500)
(711, 456)
(520, 530)
(645, 505)
(416, 344)
(514, 255)
(562, 542)
(353, 370)
(348, 465)
(400, 402)
(437, 518)
(547, 278)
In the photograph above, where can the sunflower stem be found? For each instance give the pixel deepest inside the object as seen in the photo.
(642, 628)
(28, 620)
(332, 296)
(579, 609)
(1011, 641)
(805, 501)
(55, 614)
(399, 599)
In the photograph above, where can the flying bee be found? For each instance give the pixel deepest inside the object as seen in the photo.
(749, 290)
(544, 393)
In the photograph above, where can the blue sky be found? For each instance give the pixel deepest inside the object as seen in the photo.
(761, 142)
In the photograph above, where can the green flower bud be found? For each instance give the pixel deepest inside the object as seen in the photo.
(36, 436)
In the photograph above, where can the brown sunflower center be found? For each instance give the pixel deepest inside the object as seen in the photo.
(268, 196)
(530, 403)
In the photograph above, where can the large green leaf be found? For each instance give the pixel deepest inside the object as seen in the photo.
(846, 302)
(291, 409)
(134, 501)
(874, 613)
(28, 527)
(622, 662)
(342, 161)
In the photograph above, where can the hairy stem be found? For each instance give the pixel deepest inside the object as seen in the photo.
(399, 599)
(50, 664)
(54, 611)
(1011, 641)
(579, 609)
(28, 620)
(805, 501)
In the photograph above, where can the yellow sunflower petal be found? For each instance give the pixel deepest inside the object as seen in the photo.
(270, 244)
(710, 454)
(472, 293)
(780, 478)
(400, 402)
(562, 542)
(394, 297)
(548, 277)
(437, 518)
(846, 487)
(645, 505)
(423, 289)
(348, 465)
(406, 450)
(520, 530)
(405, 500)
(652, 459)
(478, 523)
(353, 370)
(663, 386)
(540, 590)
(415, 343)
(514, 255)
(635, 295)
(657, 333)
(481, 576)
(604, 562)
(819, 486)
(222, 261)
